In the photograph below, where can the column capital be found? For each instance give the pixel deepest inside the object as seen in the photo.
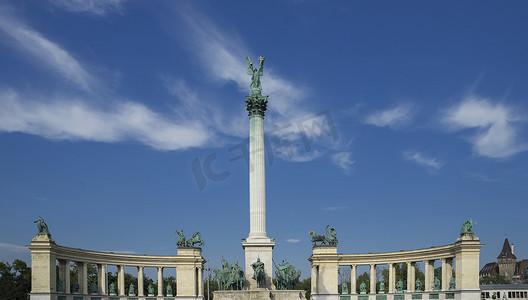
(256, 105)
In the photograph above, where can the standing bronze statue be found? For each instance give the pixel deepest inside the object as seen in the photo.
(255, 87)
(258, 273)
(42, 226)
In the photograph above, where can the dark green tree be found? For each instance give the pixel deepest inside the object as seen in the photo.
(497, 279)
(365, 277)
(15, 280)
(305, 285)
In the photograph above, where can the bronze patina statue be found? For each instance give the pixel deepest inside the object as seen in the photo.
(467, 227)
(42, 226)
(255, 87)
(286, 276)
(329, 239)
(258, 273)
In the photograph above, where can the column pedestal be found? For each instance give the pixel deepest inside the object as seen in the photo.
(253, 251)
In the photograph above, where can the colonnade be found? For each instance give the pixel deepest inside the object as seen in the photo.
(462, 257)
(45, 254)
(447, 271)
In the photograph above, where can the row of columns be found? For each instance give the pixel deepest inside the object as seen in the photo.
(102, 279)
(447, 270)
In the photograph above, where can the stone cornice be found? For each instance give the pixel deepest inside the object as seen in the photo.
(256, 105)
(110, 258)
(433, 253)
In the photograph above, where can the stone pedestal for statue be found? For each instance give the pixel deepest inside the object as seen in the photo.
(260, 294)
(254, 251)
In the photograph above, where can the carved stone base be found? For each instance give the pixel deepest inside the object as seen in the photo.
(262, 251)
(260, 294)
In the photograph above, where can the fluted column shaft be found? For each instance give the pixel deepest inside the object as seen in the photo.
(140, 281)
(101, 279)
(83, 277)
(372, 278)
(314, 280)
(121, 280)
(257, 178)
(391, 278)
(353, 280)
(160, 281)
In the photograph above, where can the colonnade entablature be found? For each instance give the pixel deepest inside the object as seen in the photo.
(459, 278)
(47, 284)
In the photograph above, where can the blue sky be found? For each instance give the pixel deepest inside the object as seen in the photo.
(122, 121)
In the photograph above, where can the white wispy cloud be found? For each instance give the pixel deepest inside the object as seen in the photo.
(343, 160)
(496, 133)
(395, 117)
(96, 7)
(12, 249)
(67, 119)
(481, 177)
(210, 113)
(430, 163)
(222, 57)
(44, 51)
(293, 241)
(334, 207)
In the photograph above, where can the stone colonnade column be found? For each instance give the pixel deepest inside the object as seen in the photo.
(391, 278)
(372, 278)
(429, 275)
(160, 281)
(121, 280)
(410, 271)
(200, 282)
(83, 277)
(140, 278)
(445, 281)
(64, 275)
(314, 280)
(353, 280)
(101, 279)
(447, 272)
(412, 266)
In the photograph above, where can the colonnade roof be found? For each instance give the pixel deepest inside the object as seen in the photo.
(190, 256)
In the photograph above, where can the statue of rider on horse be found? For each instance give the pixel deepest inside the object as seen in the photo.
(329, 239)
(231, 277)
(194, 240)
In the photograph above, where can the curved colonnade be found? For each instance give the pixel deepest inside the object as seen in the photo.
(462, 257)
(45, 254)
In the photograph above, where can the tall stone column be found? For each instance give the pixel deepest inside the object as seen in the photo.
(82, 275)
(200, 282)
(258, 245)
(429, 274)
(391, 278)
(160, 281)
(445, 281)
(121, 280)
(101, 279)
(411, 276)
(140, 278)
(373, 279)
(314, 280)
(353, 280)
(64, 275)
